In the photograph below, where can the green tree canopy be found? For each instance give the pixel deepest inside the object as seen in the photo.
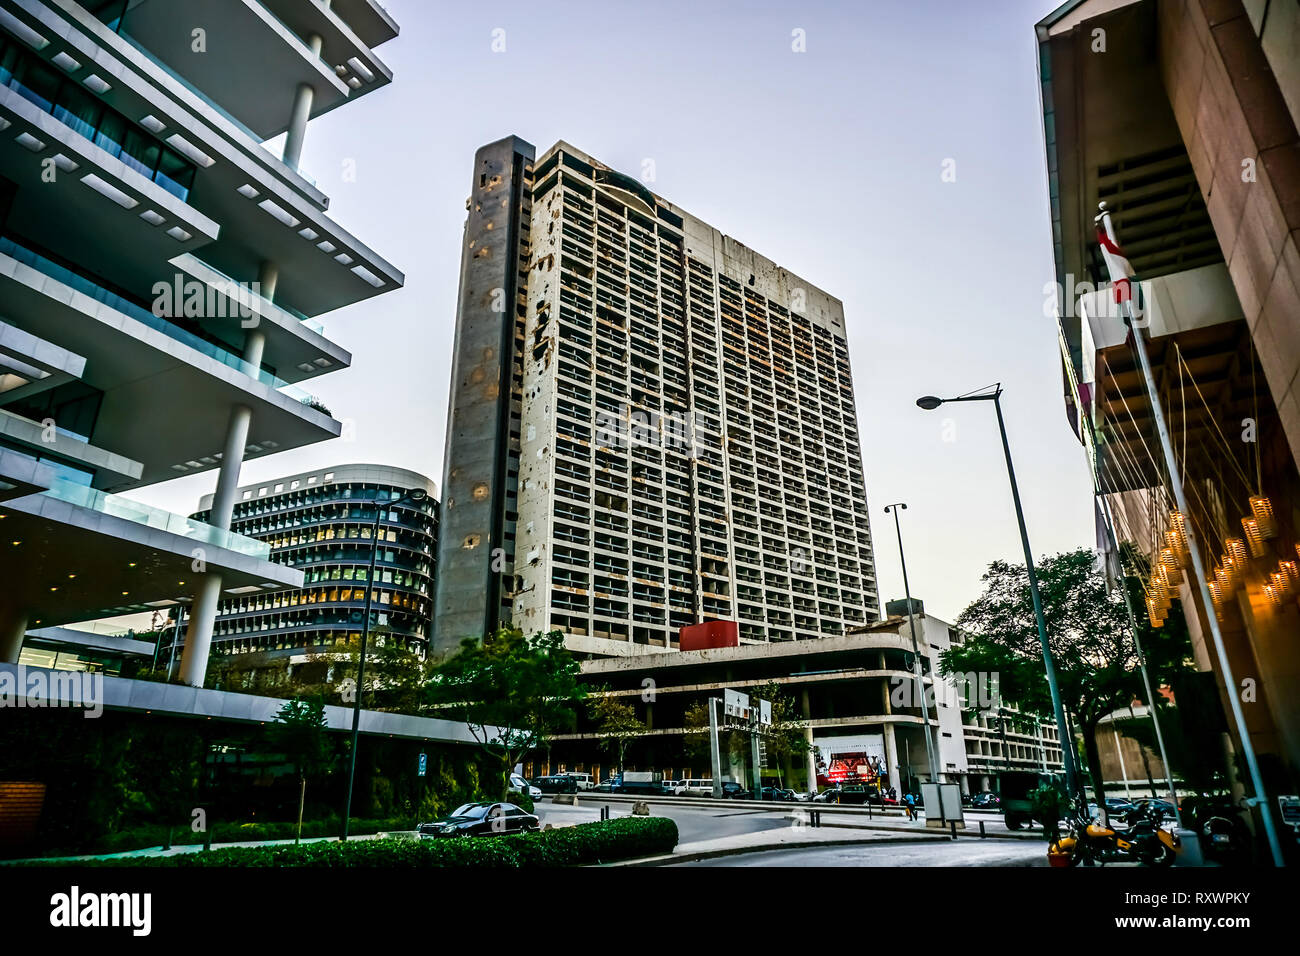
(512, 692)
(1089, 634)
(617, 724)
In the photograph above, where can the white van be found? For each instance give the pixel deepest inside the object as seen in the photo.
(694, 788)
(584, 780)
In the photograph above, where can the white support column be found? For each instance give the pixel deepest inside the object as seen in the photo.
(891, 758)
(13, 628)
(302, 100)
(198, 637)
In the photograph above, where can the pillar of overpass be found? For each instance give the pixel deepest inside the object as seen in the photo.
(13, 628)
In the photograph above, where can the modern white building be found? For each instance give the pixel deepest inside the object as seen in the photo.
(665, 433)
(160, 271)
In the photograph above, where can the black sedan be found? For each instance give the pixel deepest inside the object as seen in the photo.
(481, 819)
(734, 791)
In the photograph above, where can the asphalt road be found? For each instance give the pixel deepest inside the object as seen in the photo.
(938, 853)
(693, 824)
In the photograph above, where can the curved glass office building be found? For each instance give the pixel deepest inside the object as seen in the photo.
(321, 522)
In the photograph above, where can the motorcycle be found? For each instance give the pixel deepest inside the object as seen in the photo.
(1225, 838)
(1089, 841)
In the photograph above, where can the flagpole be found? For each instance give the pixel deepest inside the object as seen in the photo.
(1108, 519)
(1198, 567)
(1142, 660)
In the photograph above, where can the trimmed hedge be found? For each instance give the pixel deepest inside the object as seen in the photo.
(140, 838)
(588, 843)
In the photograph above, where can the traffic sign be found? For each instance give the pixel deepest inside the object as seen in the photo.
(424, 763)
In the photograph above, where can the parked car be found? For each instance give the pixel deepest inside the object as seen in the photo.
(480, 819)
(805, 796)
(669, 787)
(987, 800)
(645, 782)
(518, 783)
(829, 795)
(605, 786)
(1119, 805)
(560, 783)
(583, 779)
(854, 793)
(777, 793)
(734, 791)
(1164, 806)
(695, 788)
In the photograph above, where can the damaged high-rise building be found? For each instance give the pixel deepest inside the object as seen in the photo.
(650, 424)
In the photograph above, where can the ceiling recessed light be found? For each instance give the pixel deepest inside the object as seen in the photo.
(96, 83)
(247, 191)
(152, 217)
(65, 62)
(153, 124)
(179, 234)
(28, 141)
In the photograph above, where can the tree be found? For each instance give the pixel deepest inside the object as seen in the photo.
(617, 725)
(1089, 635)
(786, 738)
(396, 675)
(512, 692)
(300, 733)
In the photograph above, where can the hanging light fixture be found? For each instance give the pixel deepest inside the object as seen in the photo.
(1154, 614)
(1223, 577)
(1160, 586)
(1271, 593)
(1169, 561)
(1176, 538)
(1262, 509)
(1254, 537)
(1282, 585)
(1216, 592)
(1292, 571)
(1238, 559)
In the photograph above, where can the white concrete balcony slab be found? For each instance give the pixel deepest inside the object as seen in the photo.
(251, 62)
(368, 19)
(125, 224)
(267, 210)
(296, 346)
(73, 553)
(167, 393)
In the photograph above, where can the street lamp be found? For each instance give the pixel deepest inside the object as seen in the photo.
(929, 403)
(414, 495)
(930, 748)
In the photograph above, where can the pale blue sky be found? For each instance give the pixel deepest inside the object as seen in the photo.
(828, 162)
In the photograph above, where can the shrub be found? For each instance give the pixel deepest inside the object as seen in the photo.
(523, 801)
(587, 843)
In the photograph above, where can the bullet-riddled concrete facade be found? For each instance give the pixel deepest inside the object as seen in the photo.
(481, 460)
(688, 439)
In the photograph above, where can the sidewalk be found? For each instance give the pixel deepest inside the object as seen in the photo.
(787, 837)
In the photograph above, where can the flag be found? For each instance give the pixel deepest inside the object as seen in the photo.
(1119, 269)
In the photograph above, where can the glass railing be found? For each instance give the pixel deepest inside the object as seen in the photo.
(245, 289)
(151, 517)
(138, 312)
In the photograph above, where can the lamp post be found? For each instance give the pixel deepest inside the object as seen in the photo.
(929, 403)
(930, 747)
(414, 495)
